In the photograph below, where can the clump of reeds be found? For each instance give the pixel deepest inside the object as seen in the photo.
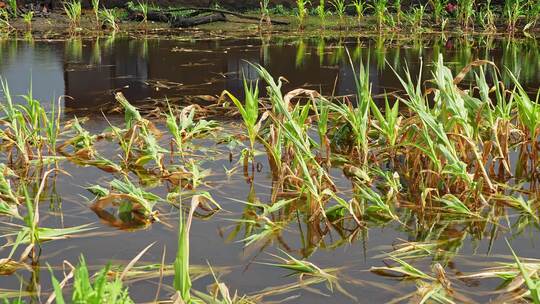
(73, 10)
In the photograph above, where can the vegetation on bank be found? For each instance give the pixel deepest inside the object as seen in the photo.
(373, 15)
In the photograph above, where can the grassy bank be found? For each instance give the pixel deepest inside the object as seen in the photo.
(515, 17)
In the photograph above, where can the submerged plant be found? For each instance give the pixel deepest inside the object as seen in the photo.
(249, 112)
(184, 127)
(141, 137)
(144, 200)
(182, 279)
(302, 268)
(93, 289)
(466, 13)
(532, 280)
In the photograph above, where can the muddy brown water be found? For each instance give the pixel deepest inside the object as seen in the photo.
(90, 70)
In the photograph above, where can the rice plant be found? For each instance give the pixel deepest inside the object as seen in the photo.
(4, 19)
(16, 123)
(249, 112)
(265, 12)
(398, 10)
(533, 13)
(110, 18)
(358, 116)
(95, 10)
(513, 11)
(27, 18)
(292, 122)
(184, 127)
(532, 280)
(321, 10)
(144, 201)
(92, 289)
(73, 10)
(301, 7)
(12, 8)
(437, 7)
(387, 124)
(360, 7)
(416, 16)
(51, 125)
(7, 193)
(432, 131)
(529, 117)
(182, 279)
(339, 8)
(143, 7)
(486, 17)
(466, 13)
(380, 9)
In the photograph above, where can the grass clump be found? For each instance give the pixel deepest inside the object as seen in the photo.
(73, 10)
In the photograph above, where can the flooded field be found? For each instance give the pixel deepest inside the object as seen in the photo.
(326, 228)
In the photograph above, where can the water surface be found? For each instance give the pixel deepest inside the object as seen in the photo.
(89, 71)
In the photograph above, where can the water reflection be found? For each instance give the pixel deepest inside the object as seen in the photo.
(89, 70)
